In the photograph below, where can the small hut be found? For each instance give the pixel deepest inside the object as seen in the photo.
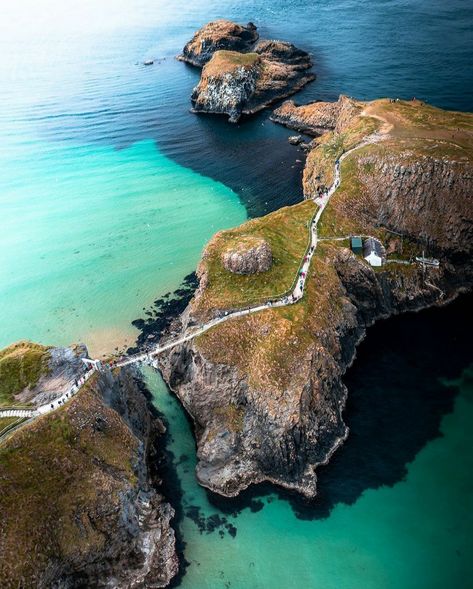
(356, 245)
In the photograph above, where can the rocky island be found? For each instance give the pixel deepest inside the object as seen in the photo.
(242, 74)
(80, 499)
(265, 390)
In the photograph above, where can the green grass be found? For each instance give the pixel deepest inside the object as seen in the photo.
(224, 60)
(287, 233)
(61, 481)
(21, 366)
(272, 348)
(319, 170)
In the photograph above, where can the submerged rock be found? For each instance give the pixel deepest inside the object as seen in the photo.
(249, 257)
(295, 139)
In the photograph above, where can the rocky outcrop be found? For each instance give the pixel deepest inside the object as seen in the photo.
(249, 257)
(247, 434)
(80, 482)
(265, 391)
(64, 366)
(216, 35)
(241, 76)
(317, 118)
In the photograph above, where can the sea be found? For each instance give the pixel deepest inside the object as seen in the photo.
(109, 190)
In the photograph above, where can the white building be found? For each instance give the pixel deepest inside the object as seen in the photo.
(373, 252)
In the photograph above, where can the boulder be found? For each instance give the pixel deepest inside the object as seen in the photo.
(248, 257)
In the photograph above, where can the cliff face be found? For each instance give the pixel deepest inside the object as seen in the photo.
(216, 35)
(242, 76)
(252, 429)
(79, 508)
(265, 390)
(428, 198)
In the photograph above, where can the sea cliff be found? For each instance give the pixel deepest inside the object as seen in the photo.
(81, 504)
(265, 391)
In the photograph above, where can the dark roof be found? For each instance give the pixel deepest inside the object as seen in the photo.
(373, 246)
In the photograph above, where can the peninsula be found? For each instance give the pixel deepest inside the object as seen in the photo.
(241, 73)
(264, 384)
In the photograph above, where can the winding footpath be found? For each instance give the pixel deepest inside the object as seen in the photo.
(288, 299)
(47, 407)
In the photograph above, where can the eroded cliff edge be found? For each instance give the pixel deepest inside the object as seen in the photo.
(242, 74)
(265, 391)
(80, 502)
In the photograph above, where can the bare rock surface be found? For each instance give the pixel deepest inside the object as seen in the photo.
(248, 257)
(242, 75)
(216, 35)
(316, 118)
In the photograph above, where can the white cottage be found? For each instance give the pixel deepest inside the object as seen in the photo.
(373, 251)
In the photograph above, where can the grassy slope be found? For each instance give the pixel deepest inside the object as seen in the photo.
(21, 366)
(286, 231)
(226, 61)
(321, 160)
(270, 347)
(61, 470)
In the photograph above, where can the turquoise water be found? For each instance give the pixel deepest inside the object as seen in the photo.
(109, 189)
(90, 235)
(415, 534)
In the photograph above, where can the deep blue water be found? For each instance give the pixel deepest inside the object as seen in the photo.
(75, 98)
(84, 84)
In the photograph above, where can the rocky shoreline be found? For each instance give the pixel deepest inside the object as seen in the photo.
(251, 423)
(271, 450)
(241, 73)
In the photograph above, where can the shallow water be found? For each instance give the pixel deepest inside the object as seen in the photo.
(109, 188)
(90, 235)
(395, 504)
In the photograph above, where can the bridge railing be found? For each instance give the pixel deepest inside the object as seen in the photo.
(11, 426)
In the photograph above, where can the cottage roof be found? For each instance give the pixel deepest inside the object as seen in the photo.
(356, 242)
(372, 246)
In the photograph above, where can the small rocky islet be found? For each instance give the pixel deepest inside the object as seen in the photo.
(241, 73)
(264, 391)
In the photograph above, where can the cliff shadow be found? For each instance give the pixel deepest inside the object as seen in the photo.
(397, 397)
